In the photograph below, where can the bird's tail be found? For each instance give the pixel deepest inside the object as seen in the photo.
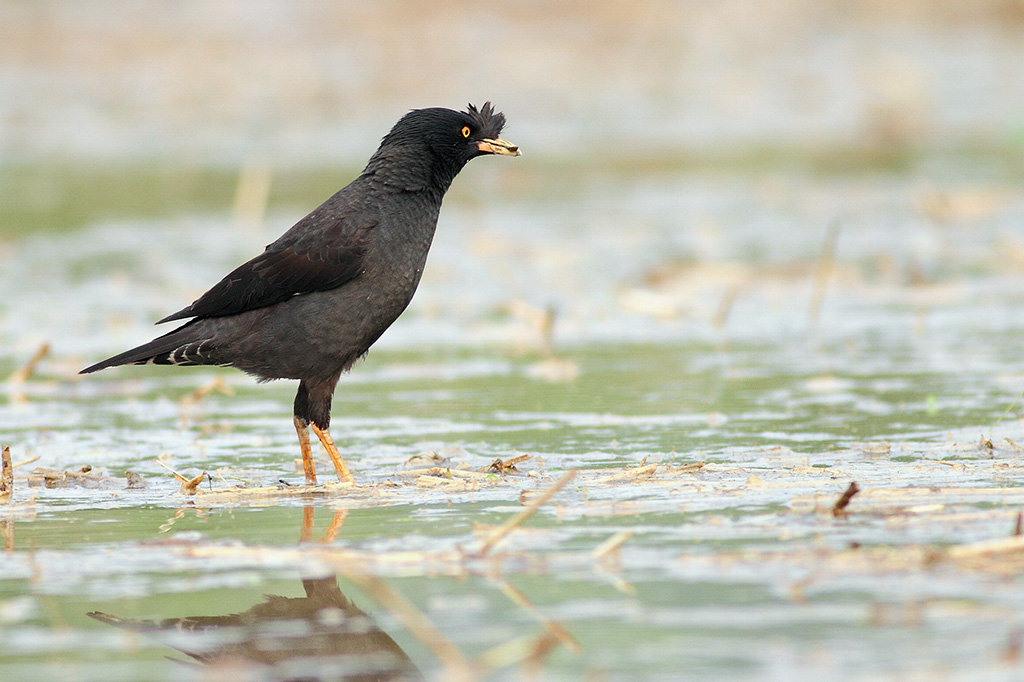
(183, 346)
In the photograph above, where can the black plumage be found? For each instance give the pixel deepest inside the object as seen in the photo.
(316, 299)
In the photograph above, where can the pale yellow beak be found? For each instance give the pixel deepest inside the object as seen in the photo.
(498, 146)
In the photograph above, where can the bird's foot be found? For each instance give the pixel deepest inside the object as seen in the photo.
(344, 476)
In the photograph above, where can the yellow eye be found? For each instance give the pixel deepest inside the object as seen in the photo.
(465, 131)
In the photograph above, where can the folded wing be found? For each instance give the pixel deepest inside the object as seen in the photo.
(302, 261)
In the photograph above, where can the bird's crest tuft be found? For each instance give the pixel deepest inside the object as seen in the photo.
(489, 120)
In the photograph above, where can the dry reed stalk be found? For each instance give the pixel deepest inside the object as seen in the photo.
(821, 277)
(267, 493)
(23, 462)
(29, 368)
(986, 548)
(188, 485)
(252, 194)
(695, 466)
(442, 472)
(501, 531)
(197, 395)
(500, 466)
(6, 475)
(628, 475)
(839, 508)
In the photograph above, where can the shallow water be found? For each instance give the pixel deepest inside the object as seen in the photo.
(732, 570)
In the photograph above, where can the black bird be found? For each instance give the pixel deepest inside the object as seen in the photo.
(316, 299)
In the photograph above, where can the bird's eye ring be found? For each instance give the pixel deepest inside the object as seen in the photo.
(465, 131)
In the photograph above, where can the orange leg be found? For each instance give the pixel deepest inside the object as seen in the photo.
(307, 452)
(325, 437)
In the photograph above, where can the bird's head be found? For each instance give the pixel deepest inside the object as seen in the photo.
(481, 131)
(438, 142)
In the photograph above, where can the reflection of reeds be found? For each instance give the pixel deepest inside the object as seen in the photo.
(499, 533)
(457, 666)
(556, 630)
(611, 546)
(368, 568)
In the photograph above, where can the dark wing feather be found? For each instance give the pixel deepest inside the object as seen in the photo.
(315, 255)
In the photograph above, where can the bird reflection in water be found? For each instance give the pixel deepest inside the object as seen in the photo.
(321, 636)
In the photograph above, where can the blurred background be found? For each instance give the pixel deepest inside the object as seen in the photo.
(688, 143)
(780, 242)
(223, 82)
